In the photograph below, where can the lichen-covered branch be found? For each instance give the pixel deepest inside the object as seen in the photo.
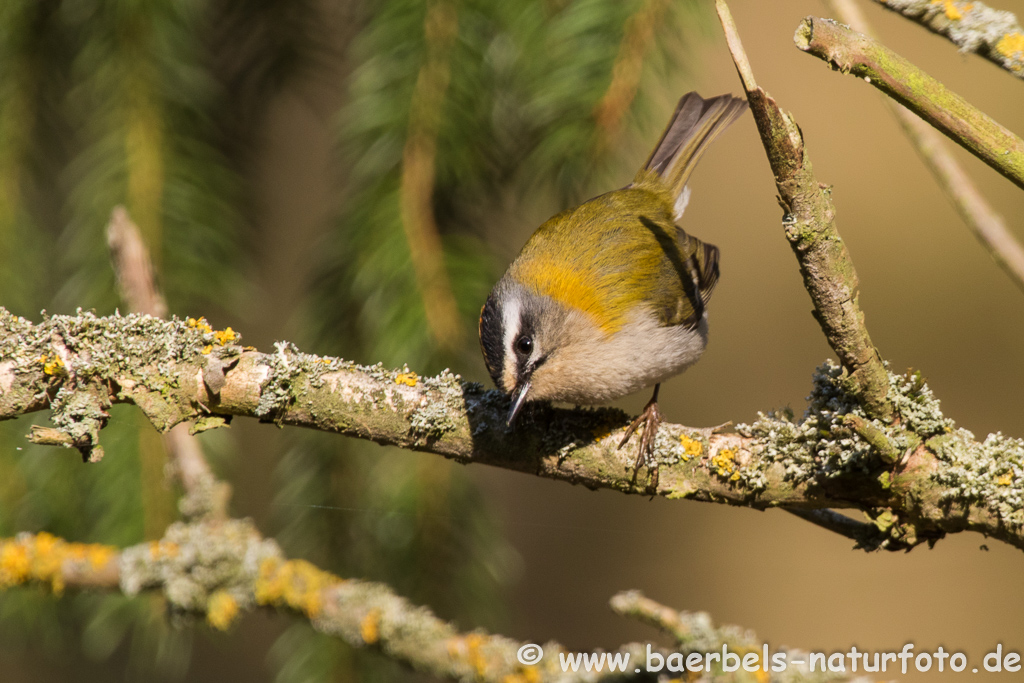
(856, 54)
(183, 371)
(217, 569)
(809, 222)
(972, 26)
(692, 630)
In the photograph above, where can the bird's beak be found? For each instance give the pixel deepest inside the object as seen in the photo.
(518, 399)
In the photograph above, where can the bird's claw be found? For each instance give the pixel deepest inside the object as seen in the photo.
(650, 418)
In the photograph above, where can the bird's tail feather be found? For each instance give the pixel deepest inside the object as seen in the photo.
(695, 124)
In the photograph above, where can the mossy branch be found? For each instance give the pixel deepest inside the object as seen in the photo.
(972, 26)
(183, 371)
(858, 55)
(809, 223)
(218, 569)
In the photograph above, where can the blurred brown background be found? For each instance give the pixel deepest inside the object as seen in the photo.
(934, 301)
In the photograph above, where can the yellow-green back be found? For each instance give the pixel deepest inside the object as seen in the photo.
(614, 253)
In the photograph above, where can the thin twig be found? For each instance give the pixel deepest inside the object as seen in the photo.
(973, 26)
(739, 55)
(690, 630)
(856, 54)
(133, 267)
(809, 221)
(204, 494)
(987, 225)
(867, 535)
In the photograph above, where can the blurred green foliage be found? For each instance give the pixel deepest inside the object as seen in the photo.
(454, 109)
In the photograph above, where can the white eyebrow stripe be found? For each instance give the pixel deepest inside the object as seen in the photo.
(510, 323)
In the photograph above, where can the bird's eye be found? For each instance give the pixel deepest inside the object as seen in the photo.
(524, 345)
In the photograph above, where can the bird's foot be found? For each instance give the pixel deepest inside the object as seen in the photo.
(650, 418)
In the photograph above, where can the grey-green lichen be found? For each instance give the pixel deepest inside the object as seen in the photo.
(917, 406)
(822, 444)
(80, 415)
(818, 445)
(285, 365)
(436, 417)
(116, 345)
(989, 474)
(431, 421)
(194, 561)
(668, 448)
(84, 356)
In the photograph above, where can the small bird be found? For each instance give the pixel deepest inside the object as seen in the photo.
(611, 296)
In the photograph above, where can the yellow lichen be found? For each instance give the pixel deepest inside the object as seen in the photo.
(159, 549)
(42, 558)
(406, 378)
(369, 627)
(950, 9)
(200, 325)
(724, 462)
(221, 610)
(225, 336)
(48, 554)
(692, 447)
(14, 564)
(468, 648)
(527, 674)
(1005, 480)
(98, 556)
(293, 583)
(51, 366)
(207, 349)
(1011, 45)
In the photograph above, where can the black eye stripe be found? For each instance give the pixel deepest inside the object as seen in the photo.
(491, 338)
